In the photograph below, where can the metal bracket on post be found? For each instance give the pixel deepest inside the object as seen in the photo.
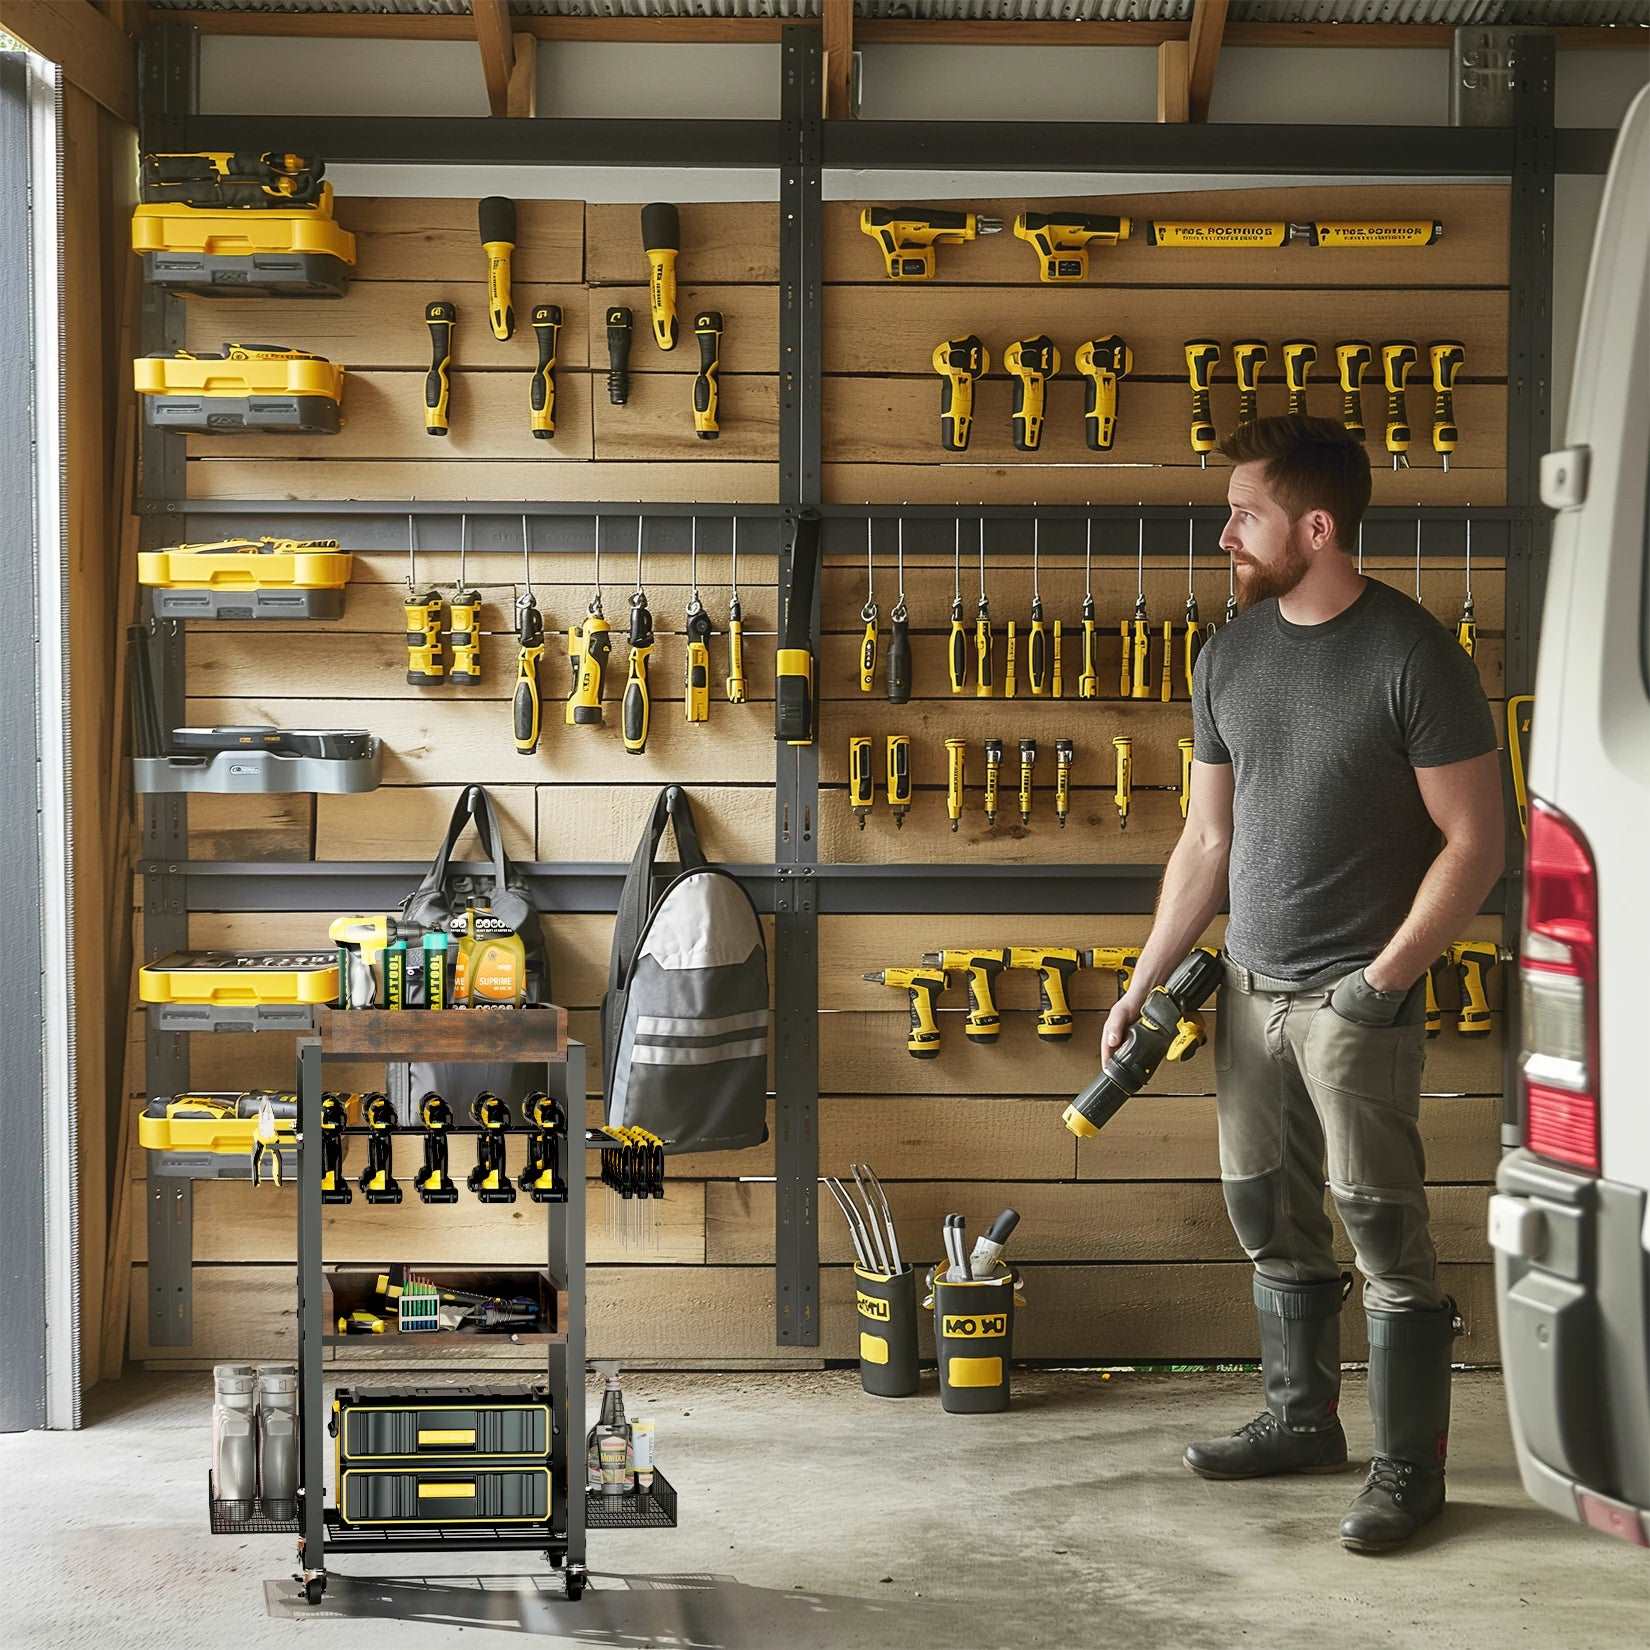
(796, 800)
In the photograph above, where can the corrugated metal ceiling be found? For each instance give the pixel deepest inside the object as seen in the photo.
(1525, 13)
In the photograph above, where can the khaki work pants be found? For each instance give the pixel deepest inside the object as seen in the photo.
(1300, 1089)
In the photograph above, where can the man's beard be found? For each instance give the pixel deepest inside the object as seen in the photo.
(1257, 581)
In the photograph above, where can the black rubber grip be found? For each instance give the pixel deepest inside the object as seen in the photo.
(496, 215)
(661, 227)
(899, 663)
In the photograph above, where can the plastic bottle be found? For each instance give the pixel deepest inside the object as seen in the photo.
(278, 1439)
(609, 1423)
(234, 1437)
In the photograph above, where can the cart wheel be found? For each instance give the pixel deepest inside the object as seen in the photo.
(314, 1588)
(557, 1559)
(575, 1582)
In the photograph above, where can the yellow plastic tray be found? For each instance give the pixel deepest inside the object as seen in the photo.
(238, 232)
(244, 564)
(233, 1136)
(263, 977)
(171, 374)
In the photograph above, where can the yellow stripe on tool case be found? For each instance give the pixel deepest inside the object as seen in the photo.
(974, 1371)
(873, 1348)
(446, 1492)
(445, 1435)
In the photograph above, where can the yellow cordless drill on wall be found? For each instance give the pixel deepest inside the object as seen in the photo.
(1031, 362)
(907, 235)
(959, 361)
(1116, 959)
(1062, 240)
(1104, 362)
(922, 985)
(984, 1024)
(1054, 965)
(1474, 961)
(1169, 1028)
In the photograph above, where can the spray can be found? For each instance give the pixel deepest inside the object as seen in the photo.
(278, 1439)
(234, 1436)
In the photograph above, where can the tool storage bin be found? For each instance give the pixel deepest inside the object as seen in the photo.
(247, 579)
(239, 252)
(444, 1495)
(234, 394)
(454, 1427)
(263, 773)
(974, 1342)
(887, 1313)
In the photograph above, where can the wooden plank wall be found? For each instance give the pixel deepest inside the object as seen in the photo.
(1126, 1243)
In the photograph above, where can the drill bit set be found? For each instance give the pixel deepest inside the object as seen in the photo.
(633, 1170)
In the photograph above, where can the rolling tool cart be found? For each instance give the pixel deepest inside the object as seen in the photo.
(440, 1495)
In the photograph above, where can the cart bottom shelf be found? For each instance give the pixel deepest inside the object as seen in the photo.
(442, 1538)
(653, 1508)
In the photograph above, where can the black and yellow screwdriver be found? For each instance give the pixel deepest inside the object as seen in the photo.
(1186, 746)
(422, 610)
(993, 775)
(955, 779)
(497, 216)
(1398, 358)
(707, 328)
(661, 241)
(697, 629)
(440, 318)
(1446, 357)
(1063, 754)
(982, 631)
(1123, 791)
(1031, 362)
(588, 647)
(1039, 662)
(868, 612)
(861, 787)
(1202, 357)
(1353, 358)
(542, 399)
(1104, 362)
(1466, 630)
(899, 778)
(1028, 762)
(1300, 355)
(1088, 680)
(636, 708)
(464, 608)
(526, 708)
(899, 628)
(1249, 355)
(1137, 632)
(736, 625)
(1193, 639)
(956, 662)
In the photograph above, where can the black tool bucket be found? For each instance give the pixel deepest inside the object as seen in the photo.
(974, 1341)
(887, 1312)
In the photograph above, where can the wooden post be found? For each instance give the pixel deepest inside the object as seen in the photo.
(492, 21)
(837, 18)
(1173, 83)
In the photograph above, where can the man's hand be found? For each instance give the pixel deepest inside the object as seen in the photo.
(1121, 1020)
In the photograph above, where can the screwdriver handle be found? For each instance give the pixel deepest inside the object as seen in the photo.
(1447, 357)
(1010, 686)
(636, 707)
(526, 708)
(899, 776)
(861, 792)
(439, 317)
(1057, 677)
(957, 655)
(1248, 357)
(590, 652)
(983, 647)
(1185, 776)
(993, 772)
(899, 662)
(1123, 792)
(697, 676)
(1166, 688)
(1037, 659)
(1397, 358)
(707, 328)
(868, 656)
(736, 653)
(1202, 356)
(955, 757)
(1028, 763)
(618, 354)
(547, 329)
(661, 240)
(1353, 358)
(497, 217)
(1299, 357)
(1088, 680)
(1140, 649)
(465, 619)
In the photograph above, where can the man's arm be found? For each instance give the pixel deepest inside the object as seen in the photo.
(1464, 800)
(1194, 888)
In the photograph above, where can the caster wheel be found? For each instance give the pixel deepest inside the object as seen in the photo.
(575, 1584)
(314, 1588)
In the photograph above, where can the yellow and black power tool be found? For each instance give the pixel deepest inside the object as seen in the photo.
(908, 235)
(984, 1023)
(1054, 964)
(225, 177)
(1062, 240)
(922, 985)
(959, 361)
(1169, 1028)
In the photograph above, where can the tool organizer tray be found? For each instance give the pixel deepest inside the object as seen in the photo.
(238, 252)
(247, 604)
(255, 772)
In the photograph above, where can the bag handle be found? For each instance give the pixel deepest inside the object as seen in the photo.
(475, 805)
(671, 807)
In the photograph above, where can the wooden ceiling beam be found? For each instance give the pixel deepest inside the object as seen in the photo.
(837, 29)
(1203, 56)
(491, 19)
(93, 54)
(522, 98)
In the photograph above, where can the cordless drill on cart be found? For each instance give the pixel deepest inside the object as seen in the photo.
(1169, 1028)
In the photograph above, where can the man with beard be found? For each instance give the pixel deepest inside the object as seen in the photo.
(1346, 805)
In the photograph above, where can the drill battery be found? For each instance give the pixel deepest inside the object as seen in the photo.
(241, 388)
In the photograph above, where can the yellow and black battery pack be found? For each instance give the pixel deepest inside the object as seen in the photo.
(233, 252)
(213, 1122)
(220, 977)
(247, 579)
(241, 388)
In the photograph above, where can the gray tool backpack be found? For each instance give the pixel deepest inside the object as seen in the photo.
(685, 1017)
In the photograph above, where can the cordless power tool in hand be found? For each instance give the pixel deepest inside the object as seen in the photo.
(1169, 1028)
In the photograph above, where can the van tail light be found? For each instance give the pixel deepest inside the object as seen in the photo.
(1558, 975)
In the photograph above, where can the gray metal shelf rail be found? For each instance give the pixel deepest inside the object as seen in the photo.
(793, 886)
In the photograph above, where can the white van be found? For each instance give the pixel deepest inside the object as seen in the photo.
(1570, 1223)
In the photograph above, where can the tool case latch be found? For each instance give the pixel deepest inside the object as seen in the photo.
(1564, 477)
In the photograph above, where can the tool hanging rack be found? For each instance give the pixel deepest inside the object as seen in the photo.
(801, 145)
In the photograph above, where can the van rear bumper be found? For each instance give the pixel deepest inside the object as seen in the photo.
(1573, 1291)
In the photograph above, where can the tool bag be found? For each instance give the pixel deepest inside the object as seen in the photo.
(685, 1017)
(439, 902)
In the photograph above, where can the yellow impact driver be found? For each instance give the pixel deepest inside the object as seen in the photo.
(1031, 362)
(955, 780)
(1028, 763)
(922, 985)
(993, 773)
(1202, 357)
(542, 397)
(1063, 754)
(984, 1024)
(661, 241)
(1300, 355)
(707, 328)
(440, 317)
(1062, 240)
(907, 235)
(1353, 359)
(1249, 355)
(1474, 961)
(464, 616)
(1054, 965)
(959, 361)
(1447, 357)
(861, 785)
(1088, 679)
(1104, 363)
(423, 611)
(1398, 358)
(1123, 792)
(899, 778)
(497, 216)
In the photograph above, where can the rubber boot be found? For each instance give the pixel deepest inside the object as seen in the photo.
(1409, 1358)
(1300, 1355)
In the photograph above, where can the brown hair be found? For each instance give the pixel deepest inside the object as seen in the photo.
(1311, 464)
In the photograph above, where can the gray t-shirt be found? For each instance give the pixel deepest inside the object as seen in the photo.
(1324, 725)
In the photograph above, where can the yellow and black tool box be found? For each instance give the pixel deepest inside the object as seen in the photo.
(445, 1427)
(419, 1494)
(241, 388)
(247, 579)
(213, 1122)
(233, 252)
(238, 990)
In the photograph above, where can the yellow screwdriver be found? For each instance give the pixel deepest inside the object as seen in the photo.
(697, 630)
(1397, 359)
(957, 655)
(1063, 753)
(1186, 748)
(636, 708)
(1202, 357)
(497, 217)
(899, 777)
(955, 756)
(736, 628)
(861, 791)
(1353, 358)
(868, 613)
(421, 610)
(1123, 794)
(1028, 761)
(1466, 632)
(526, 708)
(1300, 355)
(1137, 633)
(993, 769)
(982, 631)
(1447, 357)
(1088, 679)
(1037, 654)
(1248, 357)
(661, 241)
(541, 398)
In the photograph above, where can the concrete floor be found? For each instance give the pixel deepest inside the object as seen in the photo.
(814, 1518)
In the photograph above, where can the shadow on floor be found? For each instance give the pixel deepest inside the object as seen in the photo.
(693, 1612)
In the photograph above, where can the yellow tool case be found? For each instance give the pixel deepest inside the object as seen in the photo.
(422, 1494)
(260, 578)
(237, 251)
(445, 1426)
(241, 388)
(238, 990)
(213, 1122)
